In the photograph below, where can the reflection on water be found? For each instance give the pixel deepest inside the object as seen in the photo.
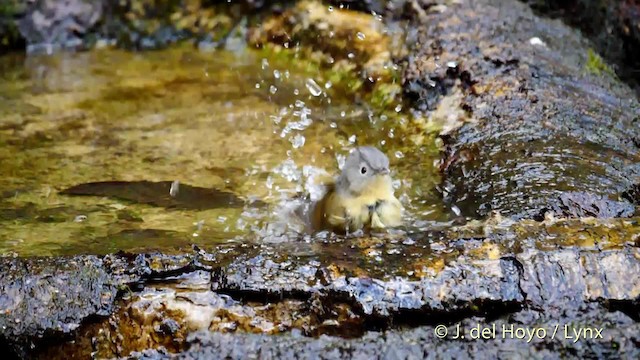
(246, 124)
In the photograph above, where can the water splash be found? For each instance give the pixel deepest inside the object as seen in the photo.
(313, 87)
(297, 141)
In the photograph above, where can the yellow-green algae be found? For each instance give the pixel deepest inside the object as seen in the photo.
(595, 65)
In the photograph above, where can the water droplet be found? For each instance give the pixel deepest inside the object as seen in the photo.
(199, 225)
(276, 74)
(351, 55)
(333, 125)
(273, 89)
(341, 159)
(360, 35)
(398, 108)
(313, 87)
(288, 170)
(276, 119)
(456, 210)
(399, 154)
(299, 103)
(240, 224)
(296, 92)
(408, 241)
(297, 141)
(265, 64)
(343, 114)
(175, 187)
(352, 139)
(383, 117)
(537, 41)
(328, 85)
(80, 218)
(330, 8)
(257, 86)
(222, 219)
(391, 134)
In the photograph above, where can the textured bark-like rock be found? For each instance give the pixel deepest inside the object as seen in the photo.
(558, 281)
(166, 298)
(538, 125)
(50, 298)
(40, 297)
(618, 340)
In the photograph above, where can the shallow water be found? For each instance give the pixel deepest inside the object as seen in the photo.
(250, 124)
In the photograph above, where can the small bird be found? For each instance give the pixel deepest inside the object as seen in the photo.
(361, 198)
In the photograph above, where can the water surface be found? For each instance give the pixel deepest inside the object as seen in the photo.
(249, 124)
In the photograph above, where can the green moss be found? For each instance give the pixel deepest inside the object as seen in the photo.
(595, 65)
(346, 81)
(385, 95)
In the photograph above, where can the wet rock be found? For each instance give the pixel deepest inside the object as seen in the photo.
(49, 299)
(45, 296)
(151, 24)
(558, 280)
(618, 340)
(47, 25)
(341, 38)
(465, 283)
(59, 23)
(613, 26)
(536, 125)
(579, 205)
(633, 194)
(184, 304)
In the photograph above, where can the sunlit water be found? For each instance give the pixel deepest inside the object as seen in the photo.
(237, 122)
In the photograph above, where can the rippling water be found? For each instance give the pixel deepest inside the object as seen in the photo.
(250, 124)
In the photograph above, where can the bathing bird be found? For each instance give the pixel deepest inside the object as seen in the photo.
(361, 197)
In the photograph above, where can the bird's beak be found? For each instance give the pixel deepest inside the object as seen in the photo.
(384, 171)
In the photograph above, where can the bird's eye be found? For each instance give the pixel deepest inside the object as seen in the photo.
(363, 170)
